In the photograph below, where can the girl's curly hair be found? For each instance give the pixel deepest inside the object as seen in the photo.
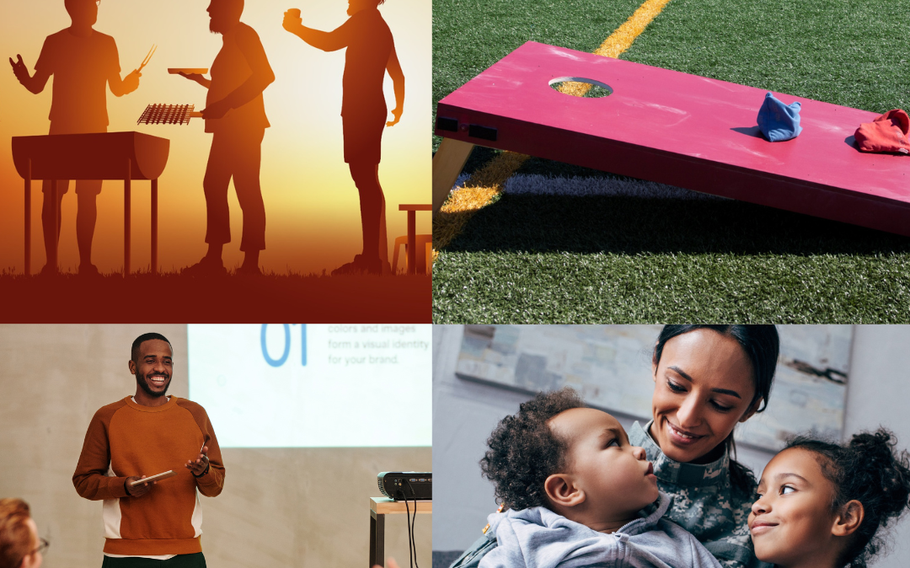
(871, 472)
(524, 452)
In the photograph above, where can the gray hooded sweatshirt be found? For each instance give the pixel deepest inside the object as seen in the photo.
(539, 538)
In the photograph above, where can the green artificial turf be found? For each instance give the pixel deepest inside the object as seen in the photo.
(544, 259)
(630, 260)
(842, 52)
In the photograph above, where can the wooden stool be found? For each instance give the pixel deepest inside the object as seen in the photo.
(423, 261)
(412, 230)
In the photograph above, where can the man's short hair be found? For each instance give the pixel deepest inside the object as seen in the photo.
(15, 536)
(235, 7)
(70, 5)
(523, 450)
(134, 352)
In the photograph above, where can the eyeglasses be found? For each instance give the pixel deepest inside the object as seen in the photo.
(44, 544)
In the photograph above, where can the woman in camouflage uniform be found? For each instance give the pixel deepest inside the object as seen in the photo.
(706, 380)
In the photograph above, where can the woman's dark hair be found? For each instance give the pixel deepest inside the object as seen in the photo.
(762, 345)
(524, 452)
(871, 472)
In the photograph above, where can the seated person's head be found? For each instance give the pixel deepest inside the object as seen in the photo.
(19, 543)
(576, 461)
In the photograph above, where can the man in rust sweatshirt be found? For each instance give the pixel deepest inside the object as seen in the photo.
(140, 436)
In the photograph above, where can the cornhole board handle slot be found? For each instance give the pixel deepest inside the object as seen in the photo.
(482, 132)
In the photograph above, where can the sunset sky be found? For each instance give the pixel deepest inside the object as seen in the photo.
(312, 208)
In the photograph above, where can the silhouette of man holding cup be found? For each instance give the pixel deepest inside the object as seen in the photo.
(370, 52)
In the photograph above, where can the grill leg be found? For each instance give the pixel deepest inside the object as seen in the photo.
(126, 219)
(155, 226)
(28, 219)
(55, 231)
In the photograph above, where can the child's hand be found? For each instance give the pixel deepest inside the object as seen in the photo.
(390, 563)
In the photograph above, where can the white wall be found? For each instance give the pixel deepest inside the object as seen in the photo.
(877, 396)
(465, 412)
(280, 507)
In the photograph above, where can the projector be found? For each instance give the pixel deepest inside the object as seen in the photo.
(406, 485)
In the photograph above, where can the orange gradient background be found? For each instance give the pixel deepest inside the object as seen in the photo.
(312, 206)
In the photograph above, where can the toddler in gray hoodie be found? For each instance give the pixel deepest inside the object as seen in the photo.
(578, 494)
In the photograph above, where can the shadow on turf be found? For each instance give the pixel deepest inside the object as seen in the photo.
(629, 225)
(172, 297)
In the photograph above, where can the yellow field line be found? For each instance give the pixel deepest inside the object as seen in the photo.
(483, 185)
(487, 183)
(621, 39)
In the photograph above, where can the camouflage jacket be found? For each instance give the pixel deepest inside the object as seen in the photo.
(704, 502)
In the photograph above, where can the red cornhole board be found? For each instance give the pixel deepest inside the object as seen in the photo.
(673, 128)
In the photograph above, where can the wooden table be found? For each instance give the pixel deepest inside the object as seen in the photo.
(379, 508)
(674, 128)
(104, 156)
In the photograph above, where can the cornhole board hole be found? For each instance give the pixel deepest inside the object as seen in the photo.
(673, 128)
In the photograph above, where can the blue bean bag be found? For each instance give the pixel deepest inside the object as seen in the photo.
(778, 121)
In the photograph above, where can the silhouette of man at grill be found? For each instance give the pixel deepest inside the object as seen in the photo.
(83, 62)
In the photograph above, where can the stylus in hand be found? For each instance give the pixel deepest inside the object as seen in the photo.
(201, 464)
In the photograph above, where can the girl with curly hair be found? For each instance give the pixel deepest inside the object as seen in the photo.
(821, 504)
